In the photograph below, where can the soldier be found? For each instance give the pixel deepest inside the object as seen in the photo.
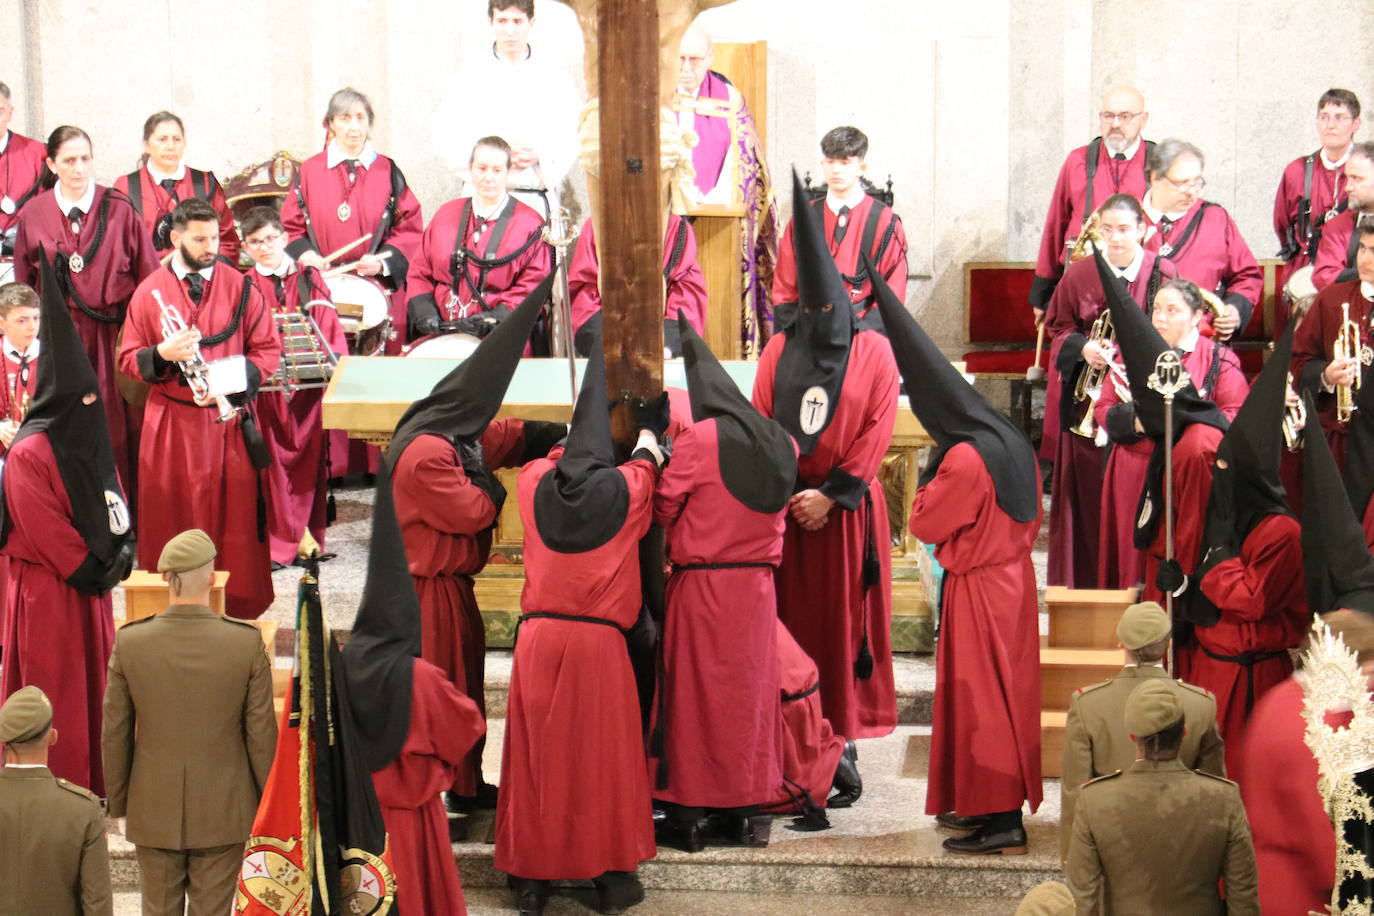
(52, 831)
(1095, 741)
(199, 688)
(1158, 837)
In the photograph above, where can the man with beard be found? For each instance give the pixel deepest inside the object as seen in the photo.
(201, 469)
(66, 532)
(1336, 256)
(829, 379)
(442, 453)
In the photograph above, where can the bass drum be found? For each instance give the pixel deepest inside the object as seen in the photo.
(362, 304)
(442, 346)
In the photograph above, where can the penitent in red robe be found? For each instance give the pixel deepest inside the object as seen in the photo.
(154, 202)
(1333, 255)
(196, 471)
(1194, 455)
(574, 800)
(686, 285)
(1215, 257)
(810, 750)
(21, 167)
(1262, 596)
(444, 725)
(821, 597)
(1120, 563)
(1065, 215)
(1295, 846)
(1314, 347)
(890, 260)
(1076, 489)
(55, 638)
(517, 229)
(718, 701)
(293, 424)
(985, 740)
(15, 395)
(446, 523)
(113, 270)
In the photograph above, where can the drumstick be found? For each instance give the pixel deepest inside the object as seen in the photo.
(349, 247)
(1035, 373)
(343, 269)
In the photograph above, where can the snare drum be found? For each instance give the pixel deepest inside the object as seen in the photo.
(362, 304)
(443, 346)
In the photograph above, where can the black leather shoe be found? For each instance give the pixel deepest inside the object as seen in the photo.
(986, 841)
(687, 837)
(530, 894)
(617, 891)
(848, 782)
(955, 822)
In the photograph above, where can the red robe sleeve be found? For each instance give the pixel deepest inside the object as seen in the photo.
(140, 332)
(1243, 275)
(1231, 387)
(293, 218)
(946, 504)
(679, 478)
(1333, 250)
(1049, 264)
(503, 443)
(865, 453)
(404, 237)
(763, 375)
(785, 271)
(37, 499)
(449, 502)
(686, 290)
(893, 264)
(420, 278)
(582, 278)
(228, 232)
(1286, 200)
(1312, 341)
(1268, 571)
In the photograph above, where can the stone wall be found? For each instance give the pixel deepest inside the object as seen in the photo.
(970, 107)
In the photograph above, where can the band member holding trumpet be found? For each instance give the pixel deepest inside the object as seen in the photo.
(480, 256)
(20, 345)
(292, 421)
(100, 252)
(164, 180)
(202, 336)
(1081, 349)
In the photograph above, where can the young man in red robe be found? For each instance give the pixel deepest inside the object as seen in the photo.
(200, 468)
(65, 530)
(1198, 237)
(685, 292)
(1113, 163)
(21, 169)
(292, 421)
(1316, 370)
(1252, 606)
(100, 252)
(979, 504)
(480, 256)
(416, 727)
(574, 801)
(1312, 189)
(19, 347)
(447, 499)
(830, 380)
(1074, 309)
(855, 225)
(1336, 256)
(716, 740)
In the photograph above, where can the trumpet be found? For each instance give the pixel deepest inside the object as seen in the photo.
(1294, 419)
(1347, 346)
(1089, 385)
(1090, 234)
(195, 369)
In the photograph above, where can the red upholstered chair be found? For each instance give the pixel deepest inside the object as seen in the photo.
(999, 323)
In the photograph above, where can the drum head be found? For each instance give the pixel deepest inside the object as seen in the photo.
(1299, 285)
(443, 346)
(361, 302)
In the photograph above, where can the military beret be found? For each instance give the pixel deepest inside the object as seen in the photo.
(1142, 624)
(1152, 707)
(26, 715)
(1049, 899)
(189, 550)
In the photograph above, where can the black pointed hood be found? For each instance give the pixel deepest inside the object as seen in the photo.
(582, 503)
(379, 660)
(464, 402)
(758, 460)
(811, 368)
(79, 433)
(1340, 570)
(952, 411)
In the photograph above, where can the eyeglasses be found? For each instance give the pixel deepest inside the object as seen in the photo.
(1125, 117)
(1337, 117)
(1194, 184)
(266, 241)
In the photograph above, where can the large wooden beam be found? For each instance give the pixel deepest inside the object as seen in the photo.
(629, 235)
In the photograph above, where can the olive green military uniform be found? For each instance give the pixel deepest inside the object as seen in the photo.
(1156, 839)
(188, 742)
(1096, 742)
(54, 860)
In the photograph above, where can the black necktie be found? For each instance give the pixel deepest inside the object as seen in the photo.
(24, 371)
(1120, 157)
(278, 285)
(841, 224)
(195, 284)
(75, 217)
(170, 186)
(352, 166)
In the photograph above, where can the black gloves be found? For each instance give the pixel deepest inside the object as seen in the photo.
(1170, 578)
(540, 438)
(94, 577)
(652, 415)
(475, 466)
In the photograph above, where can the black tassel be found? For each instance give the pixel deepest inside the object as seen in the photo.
(863, 665)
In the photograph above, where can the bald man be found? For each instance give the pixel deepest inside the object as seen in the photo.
(707, 102)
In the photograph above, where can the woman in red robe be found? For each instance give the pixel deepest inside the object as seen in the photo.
(574, 800)
(1077, 304)
(99, 258)
(292, 421)
(164, 181)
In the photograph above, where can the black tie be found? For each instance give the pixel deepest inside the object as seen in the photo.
(75, 217)
(24, 371)
(278, 285)
(170, 186)
(352, 166)
(841, 224)
(1120, 157)
(195, 284)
